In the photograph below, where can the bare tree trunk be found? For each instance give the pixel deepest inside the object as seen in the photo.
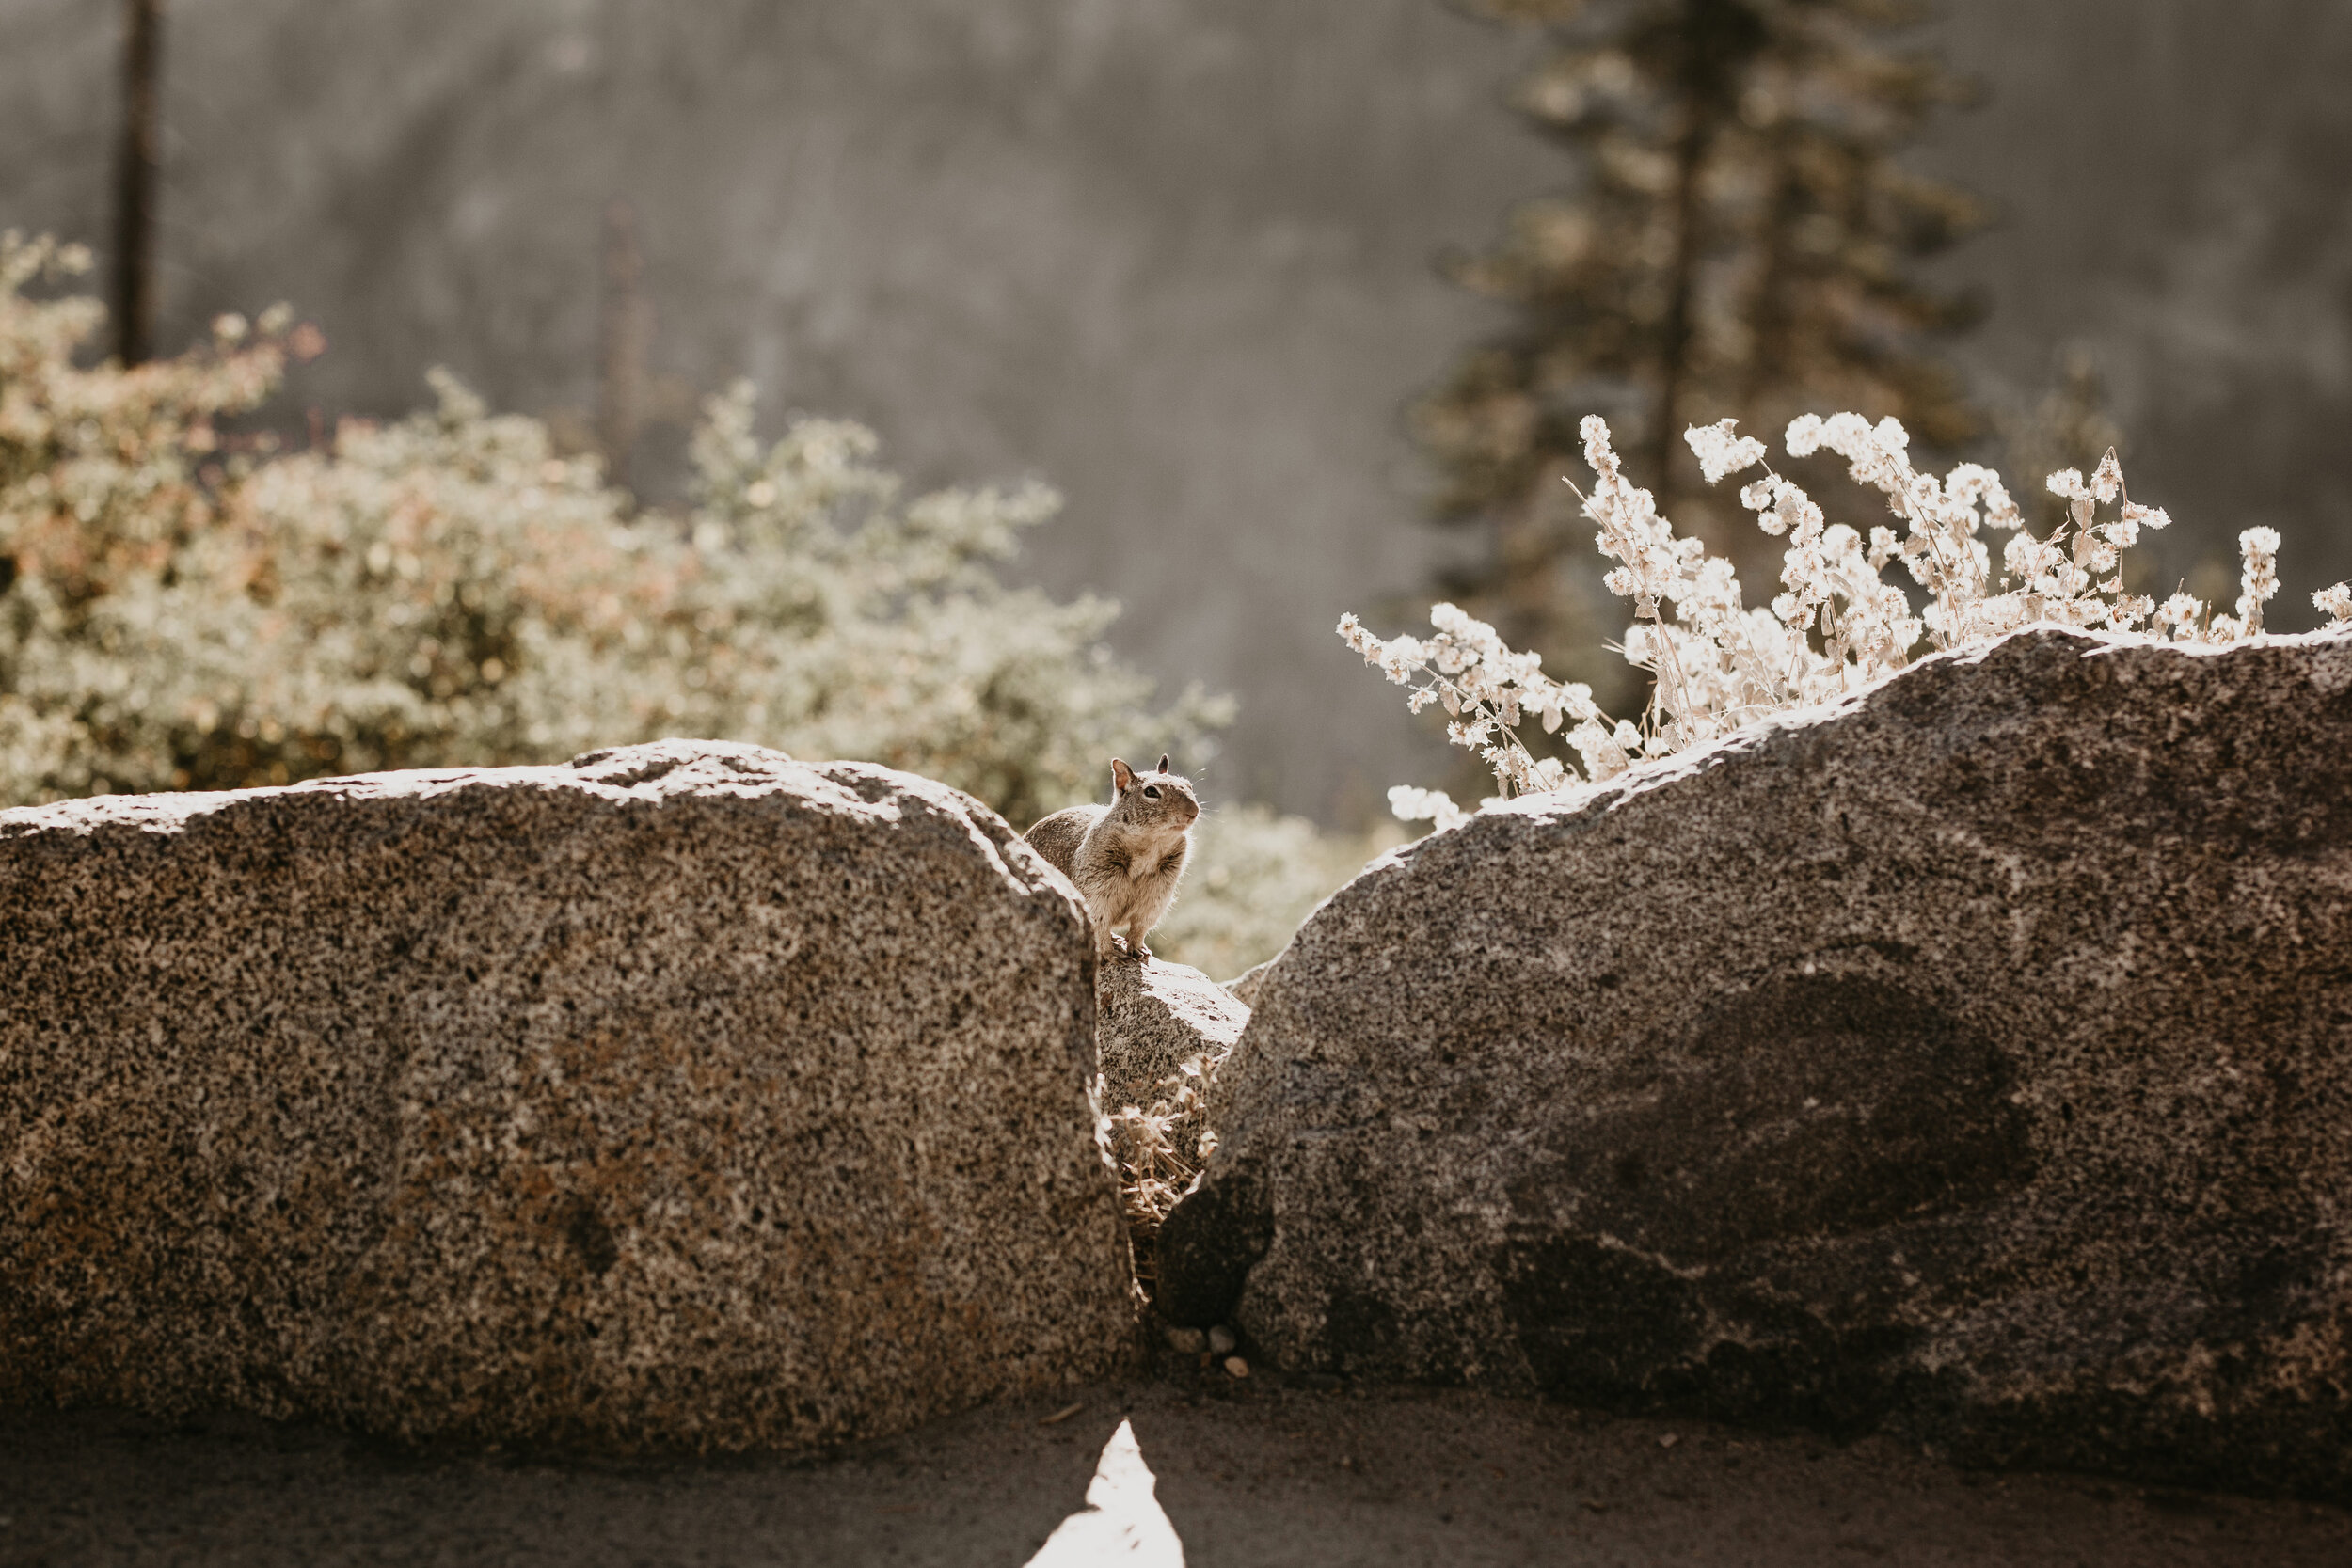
(1674, 336)
(136, 170)
(1769, 312)
(624, 332)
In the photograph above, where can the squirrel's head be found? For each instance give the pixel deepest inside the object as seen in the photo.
(1157, 798)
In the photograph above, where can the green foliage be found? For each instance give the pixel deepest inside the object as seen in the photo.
(1735, 245)
(1254, 877)
(447, 590)
(183, 608)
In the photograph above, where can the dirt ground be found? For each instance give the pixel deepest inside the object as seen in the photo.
(1248, 1473)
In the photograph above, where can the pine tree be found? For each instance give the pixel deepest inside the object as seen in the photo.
(1736, 243)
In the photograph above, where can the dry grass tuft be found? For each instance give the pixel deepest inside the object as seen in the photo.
(1159, 1150)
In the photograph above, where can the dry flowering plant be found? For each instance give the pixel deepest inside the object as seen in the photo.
(1836, 627)
(1158, 1149)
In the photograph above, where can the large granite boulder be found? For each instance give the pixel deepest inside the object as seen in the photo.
(1973, 1060)
(686, 1096)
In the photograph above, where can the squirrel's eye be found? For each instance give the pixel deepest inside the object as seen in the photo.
(1152, 792)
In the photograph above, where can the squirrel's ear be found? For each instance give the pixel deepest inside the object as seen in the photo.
(1122, 776)
(1162, 762)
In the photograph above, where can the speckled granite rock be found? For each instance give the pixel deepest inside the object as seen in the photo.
(683, 1095)
(1972, 1061)
(1152, 1017)
(1243, 987)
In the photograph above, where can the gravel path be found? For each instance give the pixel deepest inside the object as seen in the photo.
(1246, 1473)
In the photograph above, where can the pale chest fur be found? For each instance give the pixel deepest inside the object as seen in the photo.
(1130, 879)
(1143, 857)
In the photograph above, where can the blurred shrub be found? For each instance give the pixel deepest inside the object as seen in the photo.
(1254, 877)
(447, 590)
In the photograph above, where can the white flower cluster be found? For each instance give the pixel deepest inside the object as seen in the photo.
(2258, 548)
(2335, 603)
(1721, 450)
(1409, 804)
(2069, 581)
(1488, 690)
(1836, 625)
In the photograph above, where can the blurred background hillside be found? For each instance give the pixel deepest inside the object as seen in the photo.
(1174, 257)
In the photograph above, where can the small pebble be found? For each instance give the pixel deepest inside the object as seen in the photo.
(1221, 1340)
(1670, 1440)
(1188, 1342)
(1236, 1366)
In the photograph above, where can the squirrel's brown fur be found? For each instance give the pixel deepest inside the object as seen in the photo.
(1124, 859)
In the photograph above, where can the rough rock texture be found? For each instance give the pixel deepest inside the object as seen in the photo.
(1973, 1060)
(1153, 1017)
(1244, 986)
(683, 1095)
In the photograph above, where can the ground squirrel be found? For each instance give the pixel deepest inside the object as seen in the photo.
(1124, 859)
